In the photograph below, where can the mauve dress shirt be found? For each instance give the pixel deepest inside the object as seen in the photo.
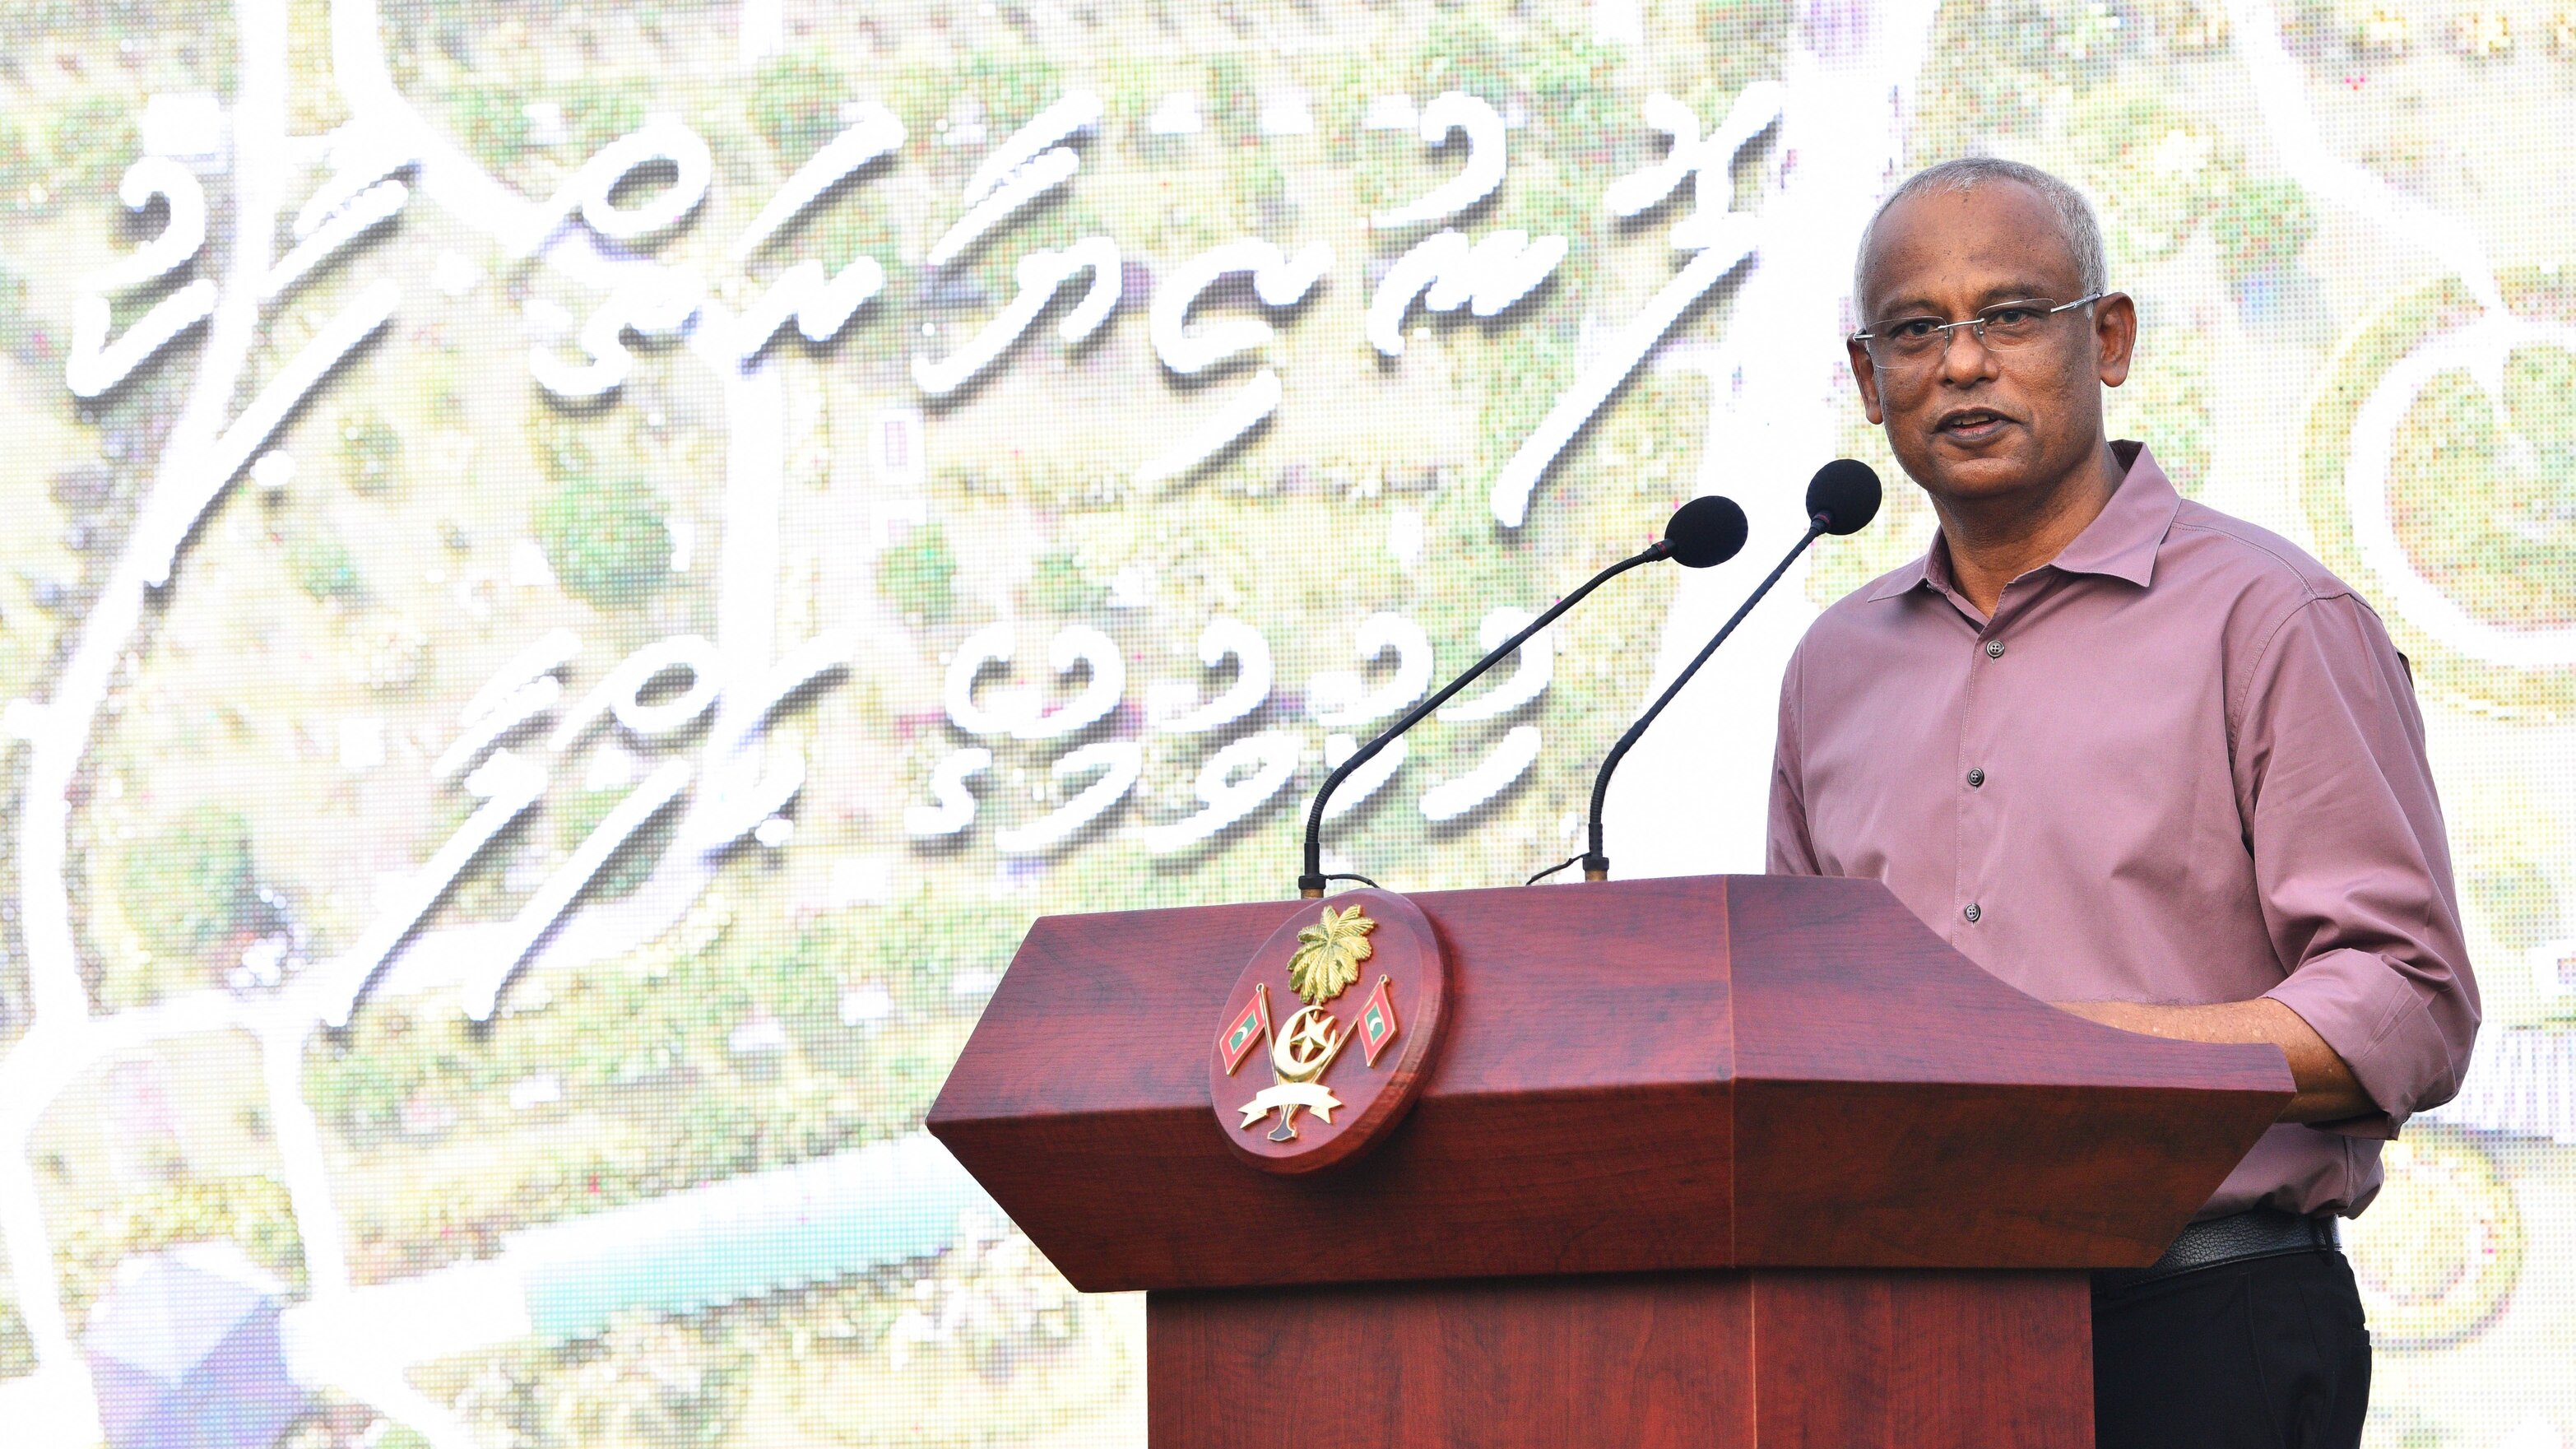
(2181, 764)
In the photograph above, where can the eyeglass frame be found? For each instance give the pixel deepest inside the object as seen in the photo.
(1975, 324)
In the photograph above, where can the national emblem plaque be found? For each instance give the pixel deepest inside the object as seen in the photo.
(1329, 1032)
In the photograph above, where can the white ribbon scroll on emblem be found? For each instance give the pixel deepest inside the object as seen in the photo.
(1315, 1097)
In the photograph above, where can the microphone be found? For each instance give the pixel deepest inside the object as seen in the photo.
(1702, 532)
(1841, 499)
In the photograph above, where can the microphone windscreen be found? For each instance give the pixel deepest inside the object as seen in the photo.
(1845, 493)
(1705, 531)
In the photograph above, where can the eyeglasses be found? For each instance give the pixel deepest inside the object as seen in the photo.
(1912, 343)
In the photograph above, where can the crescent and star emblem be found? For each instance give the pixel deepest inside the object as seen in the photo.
(1328, 984)
(1304, 1048)
(1326, 962)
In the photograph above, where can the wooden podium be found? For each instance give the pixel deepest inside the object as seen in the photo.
(1721, 1161)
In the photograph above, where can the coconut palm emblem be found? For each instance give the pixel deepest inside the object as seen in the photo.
(1325, 964)
(1329, 954)
(1327, 984)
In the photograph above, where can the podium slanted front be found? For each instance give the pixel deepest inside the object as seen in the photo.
(1730, 1082)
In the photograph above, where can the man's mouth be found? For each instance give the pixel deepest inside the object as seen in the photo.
(1971, 425)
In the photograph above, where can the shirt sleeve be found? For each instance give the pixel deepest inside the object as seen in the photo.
(1790, 851)
(2351, 858)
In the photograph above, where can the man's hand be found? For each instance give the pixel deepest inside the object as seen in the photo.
(2328, 1091)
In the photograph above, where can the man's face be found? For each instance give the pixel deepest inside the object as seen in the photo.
(1978, 422)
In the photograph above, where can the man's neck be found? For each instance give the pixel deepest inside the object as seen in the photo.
(1993, 541)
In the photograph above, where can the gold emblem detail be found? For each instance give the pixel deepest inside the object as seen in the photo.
(1306, 1044)
(1329, 954)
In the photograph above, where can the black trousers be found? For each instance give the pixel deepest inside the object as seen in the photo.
(2269, 1353)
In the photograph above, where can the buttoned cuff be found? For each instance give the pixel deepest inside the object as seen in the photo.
(2379, 1024)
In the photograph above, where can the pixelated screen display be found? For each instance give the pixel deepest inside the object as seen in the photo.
(575, 576)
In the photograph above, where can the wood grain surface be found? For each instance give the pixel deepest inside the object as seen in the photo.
(1693, 1073)
(1779, 1359)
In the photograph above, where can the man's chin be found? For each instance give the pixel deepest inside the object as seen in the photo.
(1969, 475)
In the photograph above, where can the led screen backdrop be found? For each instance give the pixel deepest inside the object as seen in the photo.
(575, 576)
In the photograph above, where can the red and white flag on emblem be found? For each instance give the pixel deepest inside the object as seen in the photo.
(1377, 1025)
(1246, 1030)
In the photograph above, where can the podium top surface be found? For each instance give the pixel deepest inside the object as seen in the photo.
(1706, 1072)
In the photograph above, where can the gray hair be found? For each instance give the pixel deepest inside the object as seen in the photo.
(2074, 213)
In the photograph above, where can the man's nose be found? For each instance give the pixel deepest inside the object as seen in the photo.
(1965, 358)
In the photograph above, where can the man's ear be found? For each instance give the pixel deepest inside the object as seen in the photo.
(2115, 337)
(1867, 377)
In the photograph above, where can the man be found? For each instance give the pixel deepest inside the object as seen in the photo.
(2143, 760)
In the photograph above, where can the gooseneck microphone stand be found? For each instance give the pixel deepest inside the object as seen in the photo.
(1596, 866)
(1311, 884)
(1841, 499)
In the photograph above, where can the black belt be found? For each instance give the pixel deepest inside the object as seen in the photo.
(2263, 1232)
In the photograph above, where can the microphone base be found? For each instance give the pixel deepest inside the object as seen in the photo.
(1310, 887)
(1596, 867)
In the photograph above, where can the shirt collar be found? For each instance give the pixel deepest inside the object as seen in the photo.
(2120, 543)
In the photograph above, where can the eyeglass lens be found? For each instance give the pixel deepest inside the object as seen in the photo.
(2005, 325)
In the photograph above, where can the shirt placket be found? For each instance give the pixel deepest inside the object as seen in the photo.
(1982, 705)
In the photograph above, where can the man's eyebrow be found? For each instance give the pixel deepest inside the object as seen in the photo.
(2020, 291)
(2023, 290)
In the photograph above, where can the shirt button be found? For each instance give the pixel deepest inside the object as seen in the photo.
(1976, 778)
(1994, 649)
(1972, 913)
